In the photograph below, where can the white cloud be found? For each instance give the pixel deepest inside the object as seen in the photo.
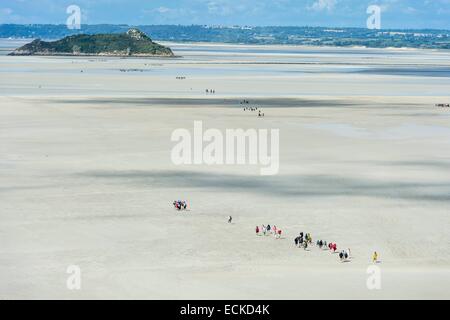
(162, 9)
(321, 5)
(410, 10)
(219, 7)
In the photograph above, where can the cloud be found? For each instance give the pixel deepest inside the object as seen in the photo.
(332, 13)
(6, 11)
(322, 5)
(162, 9)
(410, 10)
(219, 7)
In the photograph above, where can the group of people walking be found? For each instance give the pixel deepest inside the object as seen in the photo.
(210, 91)
(250, 108)
(304, 240)
(180, 205)
(344, 255)
(268, 230)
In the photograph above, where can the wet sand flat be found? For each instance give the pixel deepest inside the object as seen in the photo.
(87, 178)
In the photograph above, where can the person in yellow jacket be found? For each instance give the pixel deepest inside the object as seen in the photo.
(375, 257)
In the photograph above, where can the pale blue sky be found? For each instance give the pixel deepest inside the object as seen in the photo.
(351, 13)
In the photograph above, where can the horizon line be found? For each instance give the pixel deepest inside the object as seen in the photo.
(223, 26)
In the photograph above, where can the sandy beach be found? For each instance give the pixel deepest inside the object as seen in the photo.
(87, 177)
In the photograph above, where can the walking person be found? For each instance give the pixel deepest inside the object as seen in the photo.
(375, 257)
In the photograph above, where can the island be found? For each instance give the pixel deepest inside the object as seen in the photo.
(131, 43)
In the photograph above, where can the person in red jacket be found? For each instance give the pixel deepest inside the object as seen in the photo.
(279, 233)
(257, 230)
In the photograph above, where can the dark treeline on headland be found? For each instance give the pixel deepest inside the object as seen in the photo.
(313, 36)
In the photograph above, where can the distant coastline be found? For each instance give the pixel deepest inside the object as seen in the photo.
(296, 36)
(22, 41)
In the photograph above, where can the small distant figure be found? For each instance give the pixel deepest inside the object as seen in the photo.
(320, 243)
(230, 218)
(180, 205)
(279, 233)
(332, 246)
(257, 230)
(308, 238)
(207, 91)
(375, 257)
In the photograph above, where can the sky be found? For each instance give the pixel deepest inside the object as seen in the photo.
(395, 14)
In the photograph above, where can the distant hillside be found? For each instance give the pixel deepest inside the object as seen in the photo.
(131, 43)
(311, 36)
